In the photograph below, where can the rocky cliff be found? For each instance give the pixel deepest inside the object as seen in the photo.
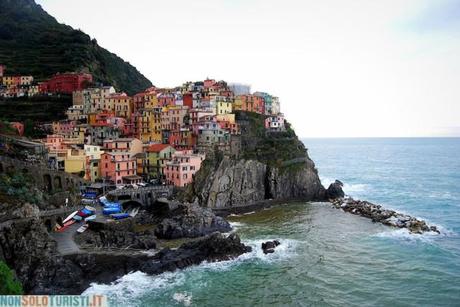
(270, 166)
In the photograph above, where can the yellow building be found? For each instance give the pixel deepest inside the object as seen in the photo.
(8, 80)
(223, 107)
(238, 103)
(122, 104)
(157, 156)
(74, 162)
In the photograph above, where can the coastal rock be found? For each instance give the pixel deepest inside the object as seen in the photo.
(269, 246)
(215, 247)
(335, 190)
(121, 234)
(384, 216)
(234, 183)
(190, 221)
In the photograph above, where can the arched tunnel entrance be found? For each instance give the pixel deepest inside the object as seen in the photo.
(131, 204)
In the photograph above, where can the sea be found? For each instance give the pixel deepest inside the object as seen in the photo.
(328, 257)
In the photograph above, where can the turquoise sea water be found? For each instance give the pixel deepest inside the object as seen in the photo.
(328, 257)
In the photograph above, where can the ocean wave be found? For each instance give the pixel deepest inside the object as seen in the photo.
(130, 288)
(348, 188)
(236, 225)
(404, 234)
(183, 297)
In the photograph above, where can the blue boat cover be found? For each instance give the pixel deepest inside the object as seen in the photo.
(119, 216)
(111, 210)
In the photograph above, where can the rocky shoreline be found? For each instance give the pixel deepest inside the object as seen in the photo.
(378, 214)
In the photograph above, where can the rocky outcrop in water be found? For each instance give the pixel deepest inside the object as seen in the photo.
(269, 246)
(215, 247)
(381, 215)
(335, 190)
(190, 221)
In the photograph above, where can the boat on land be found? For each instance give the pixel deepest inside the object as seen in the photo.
(90, 218)
(119, 216)
(69, 217)
(77, 218)
(90, 208)
(66, 225)
(82, 228)
(111, 210)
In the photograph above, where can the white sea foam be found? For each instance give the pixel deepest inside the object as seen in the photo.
(183, 297)
(129, 289)
(236, 225)
(405, 235)
(134, 285)
(348, 188)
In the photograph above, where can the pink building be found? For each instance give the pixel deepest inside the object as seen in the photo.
(54, 142)
(275, 123)
(64, 127)
(181, 169)
(209, 83)
(118, 167)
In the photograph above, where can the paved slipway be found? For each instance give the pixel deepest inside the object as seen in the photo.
(65, 242)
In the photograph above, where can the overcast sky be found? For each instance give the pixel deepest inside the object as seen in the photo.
(341, 68)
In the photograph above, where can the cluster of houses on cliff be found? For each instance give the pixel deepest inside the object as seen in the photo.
(161, 134)
(25, 86)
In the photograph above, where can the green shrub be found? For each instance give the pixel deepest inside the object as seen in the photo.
(8, 283)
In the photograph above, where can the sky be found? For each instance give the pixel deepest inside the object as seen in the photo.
(356, 68)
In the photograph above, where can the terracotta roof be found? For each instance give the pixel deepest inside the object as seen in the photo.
(157, 147)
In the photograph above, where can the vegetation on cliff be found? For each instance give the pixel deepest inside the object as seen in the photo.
(18, 187)
(8, 283)
(32, 42)
(271, 148)
(35, 109)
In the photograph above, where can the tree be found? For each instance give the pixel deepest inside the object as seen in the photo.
(8, 283)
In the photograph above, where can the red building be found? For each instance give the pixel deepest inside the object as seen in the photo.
(2, 70)
(66, 83)
(187, 99)
(182, 139)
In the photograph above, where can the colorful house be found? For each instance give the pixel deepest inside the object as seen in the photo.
(250, 103)
(66, 83)
(115, 166)
(275, 123)
(181, 169)
(223, 105)
(128, 145)
(157, 155)
(75, 161)
(174, 117)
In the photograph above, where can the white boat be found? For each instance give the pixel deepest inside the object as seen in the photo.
(90, 208)
(134, 212)
(82, 228)
(69, 217)
(90, 218)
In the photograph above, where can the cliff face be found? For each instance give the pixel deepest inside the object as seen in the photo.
(271, 166)
(246, 182)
